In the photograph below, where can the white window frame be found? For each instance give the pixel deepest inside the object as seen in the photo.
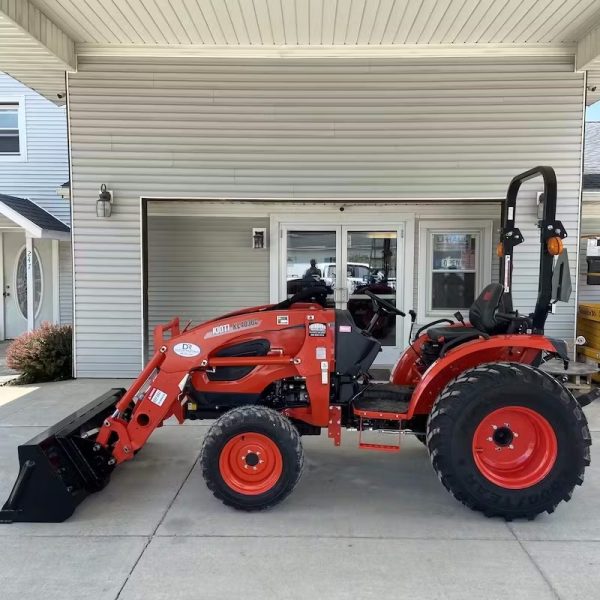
(22, 124)
(427, 228)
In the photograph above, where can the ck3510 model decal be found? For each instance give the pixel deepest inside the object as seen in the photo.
(226, 328)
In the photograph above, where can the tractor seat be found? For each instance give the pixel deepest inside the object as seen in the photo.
(449, 333)
(482, 315)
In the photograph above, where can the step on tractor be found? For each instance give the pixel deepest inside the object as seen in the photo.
(504, 437)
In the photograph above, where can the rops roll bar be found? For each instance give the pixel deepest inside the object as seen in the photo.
(549, 227)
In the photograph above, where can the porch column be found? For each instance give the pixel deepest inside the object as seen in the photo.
(29, 263)
(55, 283)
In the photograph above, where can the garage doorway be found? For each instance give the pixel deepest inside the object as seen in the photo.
(200, 259)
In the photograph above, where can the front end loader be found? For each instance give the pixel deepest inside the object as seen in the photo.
(504, 437)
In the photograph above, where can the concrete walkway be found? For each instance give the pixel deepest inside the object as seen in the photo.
(6, 374)
(359, 525)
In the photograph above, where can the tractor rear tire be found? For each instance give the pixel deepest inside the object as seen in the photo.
(252, 458)
(475, 447)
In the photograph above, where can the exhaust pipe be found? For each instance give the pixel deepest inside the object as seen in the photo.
(61, 466)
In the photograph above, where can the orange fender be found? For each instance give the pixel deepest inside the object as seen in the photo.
(500, 348)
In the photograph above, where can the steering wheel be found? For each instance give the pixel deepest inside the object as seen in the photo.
(386, 306)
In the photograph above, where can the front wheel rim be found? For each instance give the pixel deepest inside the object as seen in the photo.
(514, 447)
(251, 463)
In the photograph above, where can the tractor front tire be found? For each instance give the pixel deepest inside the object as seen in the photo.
(252, 458)
(508, 440)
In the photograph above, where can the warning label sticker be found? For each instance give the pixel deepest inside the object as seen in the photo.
(158, 396)
(317, 330)
(283, 320)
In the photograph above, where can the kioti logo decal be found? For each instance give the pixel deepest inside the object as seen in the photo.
(232, 328)
(186, 349)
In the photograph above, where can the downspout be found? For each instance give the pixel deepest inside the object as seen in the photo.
(579, 213)
(71, 202)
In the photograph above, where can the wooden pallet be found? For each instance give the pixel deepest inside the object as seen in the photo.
(592, 356)
(578, 376)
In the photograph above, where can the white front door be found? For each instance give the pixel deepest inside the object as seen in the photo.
(15, 284)
(349, 259)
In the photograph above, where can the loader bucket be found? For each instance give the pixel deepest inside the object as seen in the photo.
(61, 466)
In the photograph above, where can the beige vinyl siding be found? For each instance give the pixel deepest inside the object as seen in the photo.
(202, 267)
(376, 129)
(46, 167)
(65, 283)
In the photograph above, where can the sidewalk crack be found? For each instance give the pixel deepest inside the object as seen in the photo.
(535, 564)
(153, 534)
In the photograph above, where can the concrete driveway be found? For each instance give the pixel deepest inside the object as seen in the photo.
(359, 525)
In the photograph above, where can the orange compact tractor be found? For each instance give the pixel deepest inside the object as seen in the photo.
(504, 437)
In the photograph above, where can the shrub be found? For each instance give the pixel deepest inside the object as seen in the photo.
(44, 354)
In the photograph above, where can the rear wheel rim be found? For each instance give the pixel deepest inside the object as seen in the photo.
(514, 447)
(251, 463)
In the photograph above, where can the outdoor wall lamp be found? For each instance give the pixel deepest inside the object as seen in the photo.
(259, 238)
(104, 202)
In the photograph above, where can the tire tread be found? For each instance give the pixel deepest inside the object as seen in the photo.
(239, 416)
(449, 405)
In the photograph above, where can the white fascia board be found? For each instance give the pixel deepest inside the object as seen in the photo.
(588, 49)
(46, 34)
(85, 50)
(64, 193)
(51, 234)
(31, 228)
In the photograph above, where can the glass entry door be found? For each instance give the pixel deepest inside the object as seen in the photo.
(348, 260)
(371, 264)
(311, 260)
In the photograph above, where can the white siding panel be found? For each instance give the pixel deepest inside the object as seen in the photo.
(386, 129)
(46, 167)
(65, 282)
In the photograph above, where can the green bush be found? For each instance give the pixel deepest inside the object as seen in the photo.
(45, 354)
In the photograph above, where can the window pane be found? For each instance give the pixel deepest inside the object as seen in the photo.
(311, 262)
(9, 119)
(9, 144)
(452, 291)
(454, 251)
(372, 257)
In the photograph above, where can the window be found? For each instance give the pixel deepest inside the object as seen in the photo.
(453, 260)
(454, 265)
(12, 129)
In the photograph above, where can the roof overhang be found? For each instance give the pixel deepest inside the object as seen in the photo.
(33, 49)
(40, 40)
(587, 59)
(32, 229)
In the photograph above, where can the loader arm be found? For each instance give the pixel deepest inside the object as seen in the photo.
(161, 400)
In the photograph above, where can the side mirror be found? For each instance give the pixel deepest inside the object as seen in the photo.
(561, 278)
(459, 317)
